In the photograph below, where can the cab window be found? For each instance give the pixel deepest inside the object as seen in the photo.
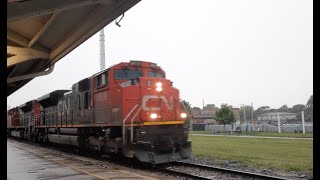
(155, 74)
(127, 74)
(101, 80)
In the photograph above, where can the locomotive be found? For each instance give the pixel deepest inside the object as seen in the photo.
(129, 109)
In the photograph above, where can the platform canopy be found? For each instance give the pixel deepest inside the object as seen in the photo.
(41, 32)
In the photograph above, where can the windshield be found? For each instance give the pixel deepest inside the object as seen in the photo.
(127, 74)
(155, 74)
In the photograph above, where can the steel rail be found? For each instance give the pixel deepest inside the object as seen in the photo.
(182, 174)
(227, 170)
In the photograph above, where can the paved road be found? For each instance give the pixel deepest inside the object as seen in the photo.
(241, 136)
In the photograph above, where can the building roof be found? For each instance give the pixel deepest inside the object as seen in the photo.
(276, 113)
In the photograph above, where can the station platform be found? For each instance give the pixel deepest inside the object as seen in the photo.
(25, 161)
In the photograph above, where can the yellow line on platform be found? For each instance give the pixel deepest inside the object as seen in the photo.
(75, 168)
(57, 161)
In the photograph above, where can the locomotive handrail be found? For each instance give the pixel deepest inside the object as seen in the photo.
(124, 125)
(131, 132)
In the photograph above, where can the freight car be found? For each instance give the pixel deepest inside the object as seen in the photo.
(129, 109)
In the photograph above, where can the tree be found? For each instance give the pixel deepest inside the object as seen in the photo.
(283, 108)
(195, 108)
(186, 105)
(297, 108)
(309, 109)
(310, 101)
(261, 110)
(225, 115)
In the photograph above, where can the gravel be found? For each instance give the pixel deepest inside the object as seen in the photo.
(295, 175)
(208, 173)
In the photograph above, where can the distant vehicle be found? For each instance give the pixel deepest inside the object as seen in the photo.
(129, 109)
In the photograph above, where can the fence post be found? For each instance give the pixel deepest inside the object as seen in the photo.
(279, 128)
(303, 127)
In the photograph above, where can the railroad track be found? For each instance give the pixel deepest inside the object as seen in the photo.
(187, 170)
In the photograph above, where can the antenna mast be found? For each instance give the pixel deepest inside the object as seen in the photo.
(102, 51)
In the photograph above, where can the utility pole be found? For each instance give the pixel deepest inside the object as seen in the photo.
(303, 127)
(102, 51)
(279, 128)
(252, 113)
(244, 114)
(202, 103)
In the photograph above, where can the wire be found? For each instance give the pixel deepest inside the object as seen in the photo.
(118, 21)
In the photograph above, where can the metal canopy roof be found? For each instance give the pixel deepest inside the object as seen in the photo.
(40, 33)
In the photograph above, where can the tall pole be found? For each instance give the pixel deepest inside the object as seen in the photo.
(244, 114)
(279, 128)
(303, 127)
(102, 51)
(202, 103)
(252, 113)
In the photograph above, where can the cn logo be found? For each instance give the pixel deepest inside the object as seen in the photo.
(163, 98)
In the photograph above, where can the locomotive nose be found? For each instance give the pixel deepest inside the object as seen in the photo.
(159, 100)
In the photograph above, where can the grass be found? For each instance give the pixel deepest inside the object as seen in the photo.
(270, 134)
(281, 154)
(200, 132)
(274, 134)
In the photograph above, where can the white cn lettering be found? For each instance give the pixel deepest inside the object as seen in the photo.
(163, 98)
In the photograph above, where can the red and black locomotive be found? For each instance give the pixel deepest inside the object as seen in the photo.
(129, 109)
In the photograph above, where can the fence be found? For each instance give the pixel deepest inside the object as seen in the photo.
(198, 127)
(293, 128)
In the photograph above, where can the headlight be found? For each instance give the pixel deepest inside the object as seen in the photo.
(183, 115)
(159, 89)
(159, 84)
(153, 116)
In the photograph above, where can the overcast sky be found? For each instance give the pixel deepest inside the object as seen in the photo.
(222, 51)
